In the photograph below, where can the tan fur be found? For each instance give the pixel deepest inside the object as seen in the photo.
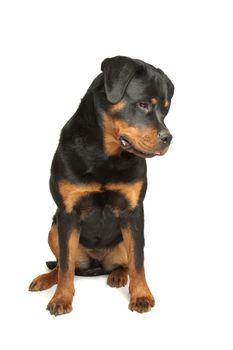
(141, 297)
(62, 300)
(53, 240)
(45, 281)
(130, 190)
(109, 257)
(145, 139)
(154, 100)
(118, 278)
(72, 193)
(116, 256)
(117, 107)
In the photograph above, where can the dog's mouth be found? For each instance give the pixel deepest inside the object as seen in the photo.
(128, 146)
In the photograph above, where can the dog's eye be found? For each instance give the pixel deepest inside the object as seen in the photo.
(144, 105)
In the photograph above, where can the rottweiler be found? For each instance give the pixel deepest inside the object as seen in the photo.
(98, 182)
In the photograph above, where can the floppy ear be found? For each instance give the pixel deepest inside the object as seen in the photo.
(118, 71)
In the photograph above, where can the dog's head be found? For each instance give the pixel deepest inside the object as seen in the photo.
(138, 97)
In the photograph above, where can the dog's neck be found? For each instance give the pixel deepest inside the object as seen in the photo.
(82, 137)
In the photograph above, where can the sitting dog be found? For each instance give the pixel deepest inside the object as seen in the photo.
(98, 182)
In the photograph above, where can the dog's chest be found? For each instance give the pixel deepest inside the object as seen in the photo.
(86, 197)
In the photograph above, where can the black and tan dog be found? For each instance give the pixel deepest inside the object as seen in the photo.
(98, 181)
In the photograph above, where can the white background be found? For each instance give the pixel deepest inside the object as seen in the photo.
(50, 53)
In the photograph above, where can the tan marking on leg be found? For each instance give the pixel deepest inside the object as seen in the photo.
(53, 240)
(130, 190)
(47, 280)
(72, 193)
(98, 254)
(82, 258)
(62, 300)
(115, 257)
(141, 298)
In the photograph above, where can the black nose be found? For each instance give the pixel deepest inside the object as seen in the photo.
(165, 136)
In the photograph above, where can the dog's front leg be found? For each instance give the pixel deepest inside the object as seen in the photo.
(68, 234)
(141, 299)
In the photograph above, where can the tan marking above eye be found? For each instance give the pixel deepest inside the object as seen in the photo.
(154, 100)
(117, 107)
(166, 104)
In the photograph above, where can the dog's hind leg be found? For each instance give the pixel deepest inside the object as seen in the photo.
(116, 262)
(118, 278)
(44, 281)
(47, 280)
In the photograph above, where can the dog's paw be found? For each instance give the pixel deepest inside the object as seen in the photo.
(142, 304)
(59, 306)
(43, 282)
(118, 278)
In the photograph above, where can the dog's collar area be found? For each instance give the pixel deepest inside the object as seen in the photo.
(127, 146)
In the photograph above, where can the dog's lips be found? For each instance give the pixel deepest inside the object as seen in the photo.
(127, 146)
(125, 142)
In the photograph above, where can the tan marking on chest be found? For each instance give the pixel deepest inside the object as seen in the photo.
(72, 193)
(131, 191)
